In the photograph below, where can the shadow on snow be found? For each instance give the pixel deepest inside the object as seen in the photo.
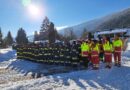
(114, 78)
(7, 56)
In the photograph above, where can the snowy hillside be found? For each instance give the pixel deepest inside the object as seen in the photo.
(25, 75)
(96, 24)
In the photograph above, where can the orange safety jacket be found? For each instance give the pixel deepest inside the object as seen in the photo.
(107, 48)
(117, 44)
(95, 51)
(85, 49)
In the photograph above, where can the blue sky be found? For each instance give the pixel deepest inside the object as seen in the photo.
(13, 13)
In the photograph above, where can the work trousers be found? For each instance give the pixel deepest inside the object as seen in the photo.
(117, 57)
(108, 57)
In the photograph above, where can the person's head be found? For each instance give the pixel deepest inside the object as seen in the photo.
(95, 41)
(74, 42)
(116, 37)
(86, 41)
(89, 40)
(78, 41)
(104, 37)
(99, 37)
(108, 39)
(83, 40)
(93, 44)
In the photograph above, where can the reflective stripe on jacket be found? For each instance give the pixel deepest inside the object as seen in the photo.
(84, 49)
(107, 46)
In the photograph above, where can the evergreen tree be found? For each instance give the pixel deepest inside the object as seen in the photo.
(52, 33)
(1, 41)
(69, 34)
(45, 25)
(58, 36)
(21, 37)
(4, 45)
(9, 39)
(43, 35)
(90, 35)
(84, 33)
(36, 36)
(72, 35)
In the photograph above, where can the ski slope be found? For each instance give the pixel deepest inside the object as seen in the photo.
(17, 75)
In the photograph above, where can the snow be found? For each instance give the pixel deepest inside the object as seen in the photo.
(113, 31)
(17, 75)
(128, 46)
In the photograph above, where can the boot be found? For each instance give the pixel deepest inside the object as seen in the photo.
(116, 64)
(109, 67)
(106, 66)
(95, 68)
(119, 65)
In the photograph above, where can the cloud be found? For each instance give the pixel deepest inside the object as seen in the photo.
(61, 27)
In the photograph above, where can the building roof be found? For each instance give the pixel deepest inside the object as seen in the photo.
(113, 31)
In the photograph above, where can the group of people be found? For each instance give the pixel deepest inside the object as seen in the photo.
(81, 52)
(102, 50)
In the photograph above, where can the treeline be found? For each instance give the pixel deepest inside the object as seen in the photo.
(7, 41)
(69, 34)
(53, 35)
(47, 32)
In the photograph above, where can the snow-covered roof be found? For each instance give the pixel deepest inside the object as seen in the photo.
(113, 31)
(128, 33)
(42, 41)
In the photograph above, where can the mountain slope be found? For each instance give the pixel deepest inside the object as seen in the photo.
(117, 20)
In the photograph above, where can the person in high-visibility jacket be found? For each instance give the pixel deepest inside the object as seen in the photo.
(101, 54)
(107, 46)
(90, 44)
(85, 52)
(117, 45)
(95, 55)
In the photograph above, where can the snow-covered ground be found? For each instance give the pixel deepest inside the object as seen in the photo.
(26, 75)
